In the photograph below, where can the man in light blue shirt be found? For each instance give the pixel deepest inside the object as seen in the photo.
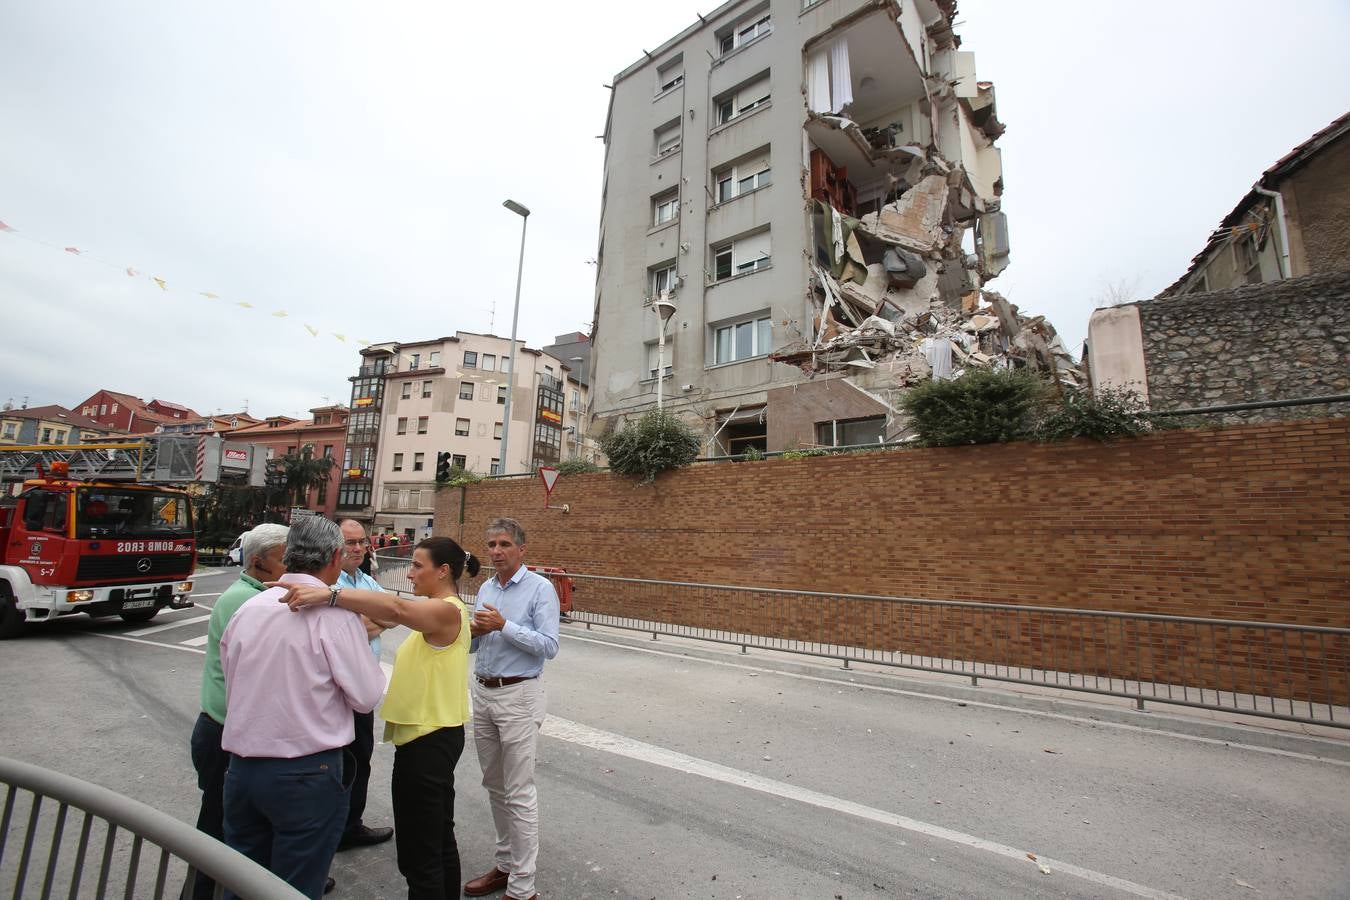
(514, 629)
(355, 546)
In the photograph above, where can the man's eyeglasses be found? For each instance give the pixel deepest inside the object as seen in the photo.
(364, 542)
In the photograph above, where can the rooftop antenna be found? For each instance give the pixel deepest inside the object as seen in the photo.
(245, 404)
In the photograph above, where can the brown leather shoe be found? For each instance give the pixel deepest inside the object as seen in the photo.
(487, 884)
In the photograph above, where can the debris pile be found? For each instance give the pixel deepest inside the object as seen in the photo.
(897, 298)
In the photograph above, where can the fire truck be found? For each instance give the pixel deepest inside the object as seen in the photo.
(101, 530)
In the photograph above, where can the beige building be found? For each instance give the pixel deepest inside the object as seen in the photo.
(448, 395)
(739, 155)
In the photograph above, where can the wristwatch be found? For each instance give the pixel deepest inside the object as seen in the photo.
(333, 595)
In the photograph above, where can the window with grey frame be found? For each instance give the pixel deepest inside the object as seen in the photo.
(742, 340)
(851, 432)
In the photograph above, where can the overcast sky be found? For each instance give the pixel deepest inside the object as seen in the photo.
(345, 163)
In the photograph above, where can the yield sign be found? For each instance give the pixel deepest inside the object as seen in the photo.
(550, 476)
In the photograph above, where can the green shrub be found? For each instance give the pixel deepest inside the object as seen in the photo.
(654, 443)
(751, 454)
(1101, 415)
(459, 477)
(577, 467)
(983, 406)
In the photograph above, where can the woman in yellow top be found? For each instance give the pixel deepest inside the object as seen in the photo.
(425, 708)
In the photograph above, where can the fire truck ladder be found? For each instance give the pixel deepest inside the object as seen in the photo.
(145, 460)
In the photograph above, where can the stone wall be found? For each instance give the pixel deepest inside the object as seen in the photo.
(1250, 523)
(1273, 341)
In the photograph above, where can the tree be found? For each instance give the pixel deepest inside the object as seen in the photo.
(654, 443)
(983, 406)
(304, 471)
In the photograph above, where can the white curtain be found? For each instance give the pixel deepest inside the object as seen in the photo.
(841, 92)
(818, 82)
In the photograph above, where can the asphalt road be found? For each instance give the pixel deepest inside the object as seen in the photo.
(664, 776)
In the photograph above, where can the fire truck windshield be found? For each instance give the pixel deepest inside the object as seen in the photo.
(103, 512)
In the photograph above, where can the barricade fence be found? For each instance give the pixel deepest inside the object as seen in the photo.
(1295, 672)
(63, 837)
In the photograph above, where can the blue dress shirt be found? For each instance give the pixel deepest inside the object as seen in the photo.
(362, 581)
(529, 604)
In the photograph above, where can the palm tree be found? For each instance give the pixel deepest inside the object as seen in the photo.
(304, 471)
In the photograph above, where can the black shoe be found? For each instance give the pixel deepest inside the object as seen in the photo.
(365, 836)
(329, 885)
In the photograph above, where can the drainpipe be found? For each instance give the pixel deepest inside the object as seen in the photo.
(1284, 233)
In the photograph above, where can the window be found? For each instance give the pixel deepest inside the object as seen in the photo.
(459, 462)
(501, 394)
(398, 462)
(435, 358)
(321, 497)
(662, 278)
(489, 362)
(103, 409)
(665, 207)
(743, 33)
(414, 499)
(426, 388)
(422, 424)
(505, 364)
(114, 409)
(46, 435)
(327, 451)
(576, 400)
(419, 461)
(745, 176)
(414, 361)
(548, 370)
(466, 390)
(667, 138)
(402, 424)
(496, 467)
(496, 430)
(737, 103)
(1248, 262)
(670, 75)
(742, 340)
(462, 427)
(740, 257)
(654, 358)
(849, 433)
(407, 390)
(470, 359)
(9, 429)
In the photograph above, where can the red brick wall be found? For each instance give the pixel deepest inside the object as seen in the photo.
(1250, 522)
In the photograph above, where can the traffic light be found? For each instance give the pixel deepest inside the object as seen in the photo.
(442, 466)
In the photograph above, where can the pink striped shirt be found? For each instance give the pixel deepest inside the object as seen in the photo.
(292, 679)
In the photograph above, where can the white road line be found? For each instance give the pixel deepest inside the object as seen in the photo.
(216, 594)
(166, 626)
(583, 735)
(194, 642)
(132, 640)
(982, 704)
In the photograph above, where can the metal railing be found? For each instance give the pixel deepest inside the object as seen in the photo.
(52, 859)
(1280, 671)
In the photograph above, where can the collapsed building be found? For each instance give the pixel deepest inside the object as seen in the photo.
(807, 194)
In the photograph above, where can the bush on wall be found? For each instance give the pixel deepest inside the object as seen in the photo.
(983, 406)
(654, 443)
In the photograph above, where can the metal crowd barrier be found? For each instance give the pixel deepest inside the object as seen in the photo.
(1279, 671)
(39, 853)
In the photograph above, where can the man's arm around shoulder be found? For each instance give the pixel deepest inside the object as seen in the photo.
(354, 669)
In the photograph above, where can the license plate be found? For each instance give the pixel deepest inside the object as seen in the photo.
(139, 604)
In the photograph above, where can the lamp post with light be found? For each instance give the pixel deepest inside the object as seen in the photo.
(665, 309)
(524, 214)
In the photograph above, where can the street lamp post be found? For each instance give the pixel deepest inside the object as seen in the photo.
(580, 433)
(665, 309)
(524, 214)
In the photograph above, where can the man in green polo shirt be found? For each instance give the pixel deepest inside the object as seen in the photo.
(261, 551)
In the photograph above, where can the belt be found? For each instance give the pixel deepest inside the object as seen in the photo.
(503, 682)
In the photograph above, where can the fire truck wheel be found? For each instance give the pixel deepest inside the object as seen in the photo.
(11, 619)
(138, 615)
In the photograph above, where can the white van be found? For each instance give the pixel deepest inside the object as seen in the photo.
(233, 556)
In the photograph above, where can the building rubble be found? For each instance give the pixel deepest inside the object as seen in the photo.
(897, 300)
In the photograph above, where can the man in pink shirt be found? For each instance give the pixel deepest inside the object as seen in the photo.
(292, 682)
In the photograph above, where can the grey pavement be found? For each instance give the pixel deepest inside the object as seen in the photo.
(673, 771)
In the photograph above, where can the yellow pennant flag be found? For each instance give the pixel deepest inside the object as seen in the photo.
(280, 314)
(363, 342)
(160, 282)
(313, 332)
(340, 337)
(244, 303)
(209, 296)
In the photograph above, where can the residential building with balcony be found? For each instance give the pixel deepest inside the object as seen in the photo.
(325, 432)
(50, 424)
(132, 415)
(414, 400)
(738, 156)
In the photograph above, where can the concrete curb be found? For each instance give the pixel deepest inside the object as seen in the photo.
(1322, 742)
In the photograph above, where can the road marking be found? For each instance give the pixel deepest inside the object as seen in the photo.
(132, 640)
(608, 742)
(195, 642)
(982, 704)
(216, 594)
(166, 626)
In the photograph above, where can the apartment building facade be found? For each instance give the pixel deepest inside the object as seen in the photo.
(728, 148)
(414, 400)
(325, 433)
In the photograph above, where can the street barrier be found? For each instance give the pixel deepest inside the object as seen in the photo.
(128, 831)
(1279, 671)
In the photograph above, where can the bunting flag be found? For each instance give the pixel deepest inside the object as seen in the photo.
(162, 284)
